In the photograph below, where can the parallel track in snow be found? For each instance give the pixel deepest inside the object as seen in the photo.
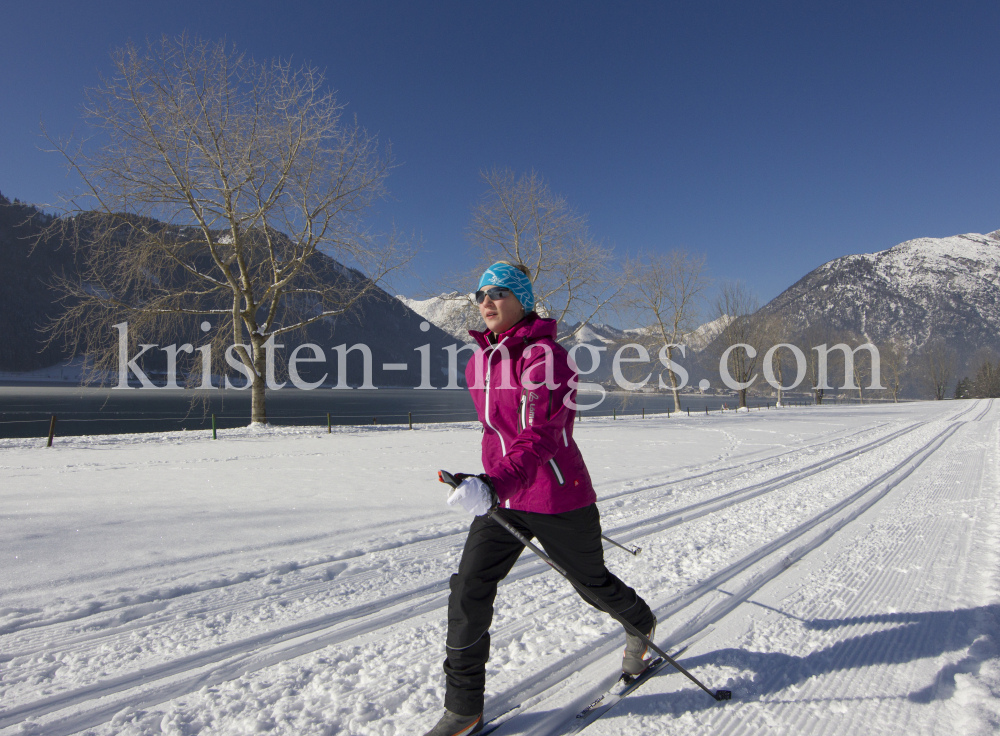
(660, 522)
(918, 561)
(188, 604)
(158, 683)
(763, 565)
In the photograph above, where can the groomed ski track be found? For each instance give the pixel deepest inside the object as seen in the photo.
(841, 579)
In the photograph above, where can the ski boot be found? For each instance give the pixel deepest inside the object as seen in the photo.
(452, 724)
(634, 661)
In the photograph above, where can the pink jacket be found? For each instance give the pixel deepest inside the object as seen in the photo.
(524, 386)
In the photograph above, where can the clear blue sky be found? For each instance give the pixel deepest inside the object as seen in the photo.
(771, 136)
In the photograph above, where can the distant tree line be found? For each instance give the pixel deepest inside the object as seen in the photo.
(985, 382)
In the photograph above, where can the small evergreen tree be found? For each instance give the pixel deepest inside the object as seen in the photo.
(963, 390)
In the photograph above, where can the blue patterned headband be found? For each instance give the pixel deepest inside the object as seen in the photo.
(503, 274)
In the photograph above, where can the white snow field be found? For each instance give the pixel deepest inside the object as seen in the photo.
(835, 567)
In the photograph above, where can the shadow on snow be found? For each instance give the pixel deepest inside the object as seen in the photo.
(912, 636)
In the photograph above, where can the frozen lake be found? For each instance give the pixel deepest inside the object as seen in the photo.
(25, 409)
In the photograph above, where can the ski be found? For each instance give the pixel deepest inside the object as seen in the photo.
(625, 685)
(609, 699)
(494, 723)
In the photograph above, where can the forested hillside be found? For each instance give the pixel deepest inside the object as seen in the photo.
(26, 300)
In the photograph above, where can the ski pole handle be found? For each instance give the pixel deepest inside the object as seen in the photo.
(445, 477)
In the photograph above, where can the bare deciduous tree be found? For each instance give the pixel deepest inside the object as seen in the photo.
(777, 329)
(815, 334)
(663, 292)
(520, 220)
(746, 328)
(986, 367)
(937, 367)
(894, 359)
(216, 185)
(861, 364)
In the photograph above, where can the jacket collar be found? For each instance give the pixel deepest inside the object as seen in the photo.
(529, 329)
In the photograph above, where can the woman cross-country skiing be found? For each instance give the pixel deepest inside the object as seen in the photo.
(520, 384)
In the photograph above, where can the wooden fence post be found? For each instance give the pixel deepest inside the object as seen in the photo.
(52, 429)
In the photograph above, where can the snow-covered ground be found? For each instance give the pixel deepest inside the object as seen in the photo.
(836, 567)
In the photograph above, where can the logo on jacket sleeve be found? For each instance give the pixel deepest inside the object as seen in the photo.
(532, 396)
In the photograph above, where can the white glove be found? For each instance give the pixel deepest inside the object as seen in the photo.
(473, 495)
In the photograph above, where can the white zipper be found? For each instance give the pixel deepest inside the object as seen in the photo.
(555, 468)
(489, 370)
(565, 439)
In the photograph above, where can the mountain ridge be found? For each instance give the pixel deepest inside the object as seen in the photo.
(918, 291)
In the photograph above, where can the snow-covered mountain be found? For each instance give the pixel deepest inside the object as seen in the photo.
(454, 313)
(594, 334)
(922, 289)
(697, 339)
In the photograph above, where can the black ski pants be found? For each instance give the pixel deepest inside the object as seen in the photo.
(572, 539)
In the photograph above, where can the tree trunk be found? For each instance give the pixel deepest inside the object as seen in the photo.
(743, 398)
(673, 383)
(781, 381)
(258, 413)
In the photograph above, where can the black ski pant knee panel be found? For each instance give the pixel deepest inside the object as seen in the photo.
(571, 539)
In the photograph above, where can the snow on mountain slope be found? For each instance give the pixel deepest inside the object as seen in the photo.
(453, 313)
(704, 334)
(456, 315)
(917, 290)
(594, 334)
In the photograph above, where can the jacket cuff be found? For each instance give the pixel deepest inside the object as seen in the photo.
(491, 485)
(501, 486)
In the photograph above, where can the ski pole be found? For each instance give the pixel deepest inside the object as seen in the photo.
(634, 551)
(494, 513)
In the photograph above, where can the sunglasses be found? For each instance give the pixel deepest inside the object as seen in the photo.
(495, 294)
